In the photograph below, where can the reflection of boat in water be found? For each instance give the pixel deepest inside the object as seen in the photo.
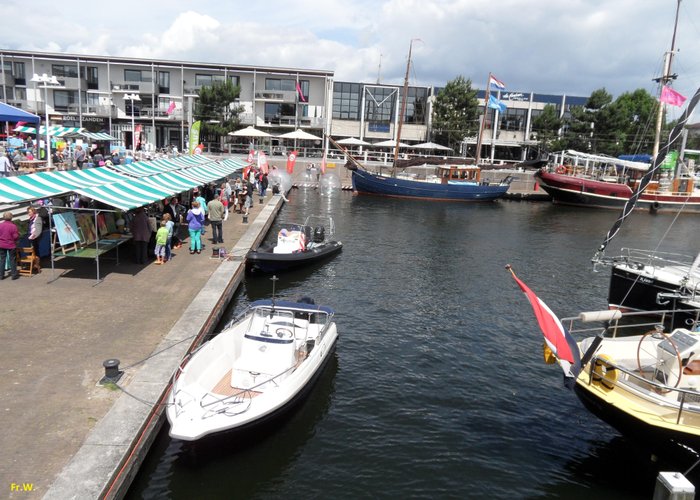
(257, 367)
(297, 245)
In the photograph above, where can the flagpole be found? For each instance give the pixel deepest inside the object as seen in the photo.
(667, 77)
(477, 156)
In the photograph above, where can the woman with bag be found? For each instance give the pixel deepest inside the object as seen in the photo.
(195, 222)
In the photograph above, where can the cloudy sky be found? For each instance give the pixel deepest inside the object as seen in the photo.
(547, 46)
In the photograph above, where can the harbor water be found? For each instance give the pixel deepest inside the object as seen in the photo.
(437, 388)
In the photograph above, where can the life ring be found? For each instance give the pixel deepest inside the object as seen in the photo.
(604, 373)
(561, 169)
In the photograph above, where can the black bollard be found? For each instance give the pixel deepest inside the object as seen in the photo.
(112, 373)
(245, 218)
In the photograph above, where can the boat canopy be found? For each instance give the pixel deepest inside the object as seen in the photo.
(582, 159)
(299, 306)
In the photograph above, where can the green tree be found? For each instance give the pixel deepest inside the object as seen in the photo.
(455, 113)
(546, 128)
(217, 110)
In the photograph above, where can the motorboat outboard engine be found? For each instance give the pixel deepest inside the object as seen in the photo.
(319, 234)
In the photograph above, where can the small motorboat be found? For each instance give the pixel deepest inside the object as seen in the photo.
(297, 245)
(264, 361)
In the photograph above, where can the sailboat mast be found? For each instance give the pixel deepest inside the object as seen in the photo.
(404, 97)
(667, 77)
(477, 156)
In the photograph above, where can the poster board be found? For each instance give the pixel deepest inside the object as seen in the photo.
(66, 228)
(87, 228)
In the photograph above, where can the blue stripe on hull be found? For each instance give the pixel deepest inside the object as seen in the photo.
(367, 183)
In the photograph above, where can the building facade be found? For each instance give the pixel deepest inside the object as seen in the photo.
(97, 93)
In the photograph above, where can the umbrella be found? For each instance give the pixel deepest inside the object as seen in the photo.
(431, 145)
(390, 144)
(299, 134)
(249, 131)
(351, 141)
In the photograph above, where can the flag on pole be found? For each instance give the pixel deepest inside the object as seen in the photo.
(194, 135)
(291, 159)
(497, 104)
(251, 156)
(323, 165)
(495, 83)
(670, 96)
(171, 108)
(301, 94)
(556, 337)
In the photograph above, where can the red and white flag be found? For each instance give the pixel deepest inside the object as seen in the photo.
(323, 165)
(171, 108)
(670, 96)
(291, 160)
(251, 156)
(262, 162)
(557, 338)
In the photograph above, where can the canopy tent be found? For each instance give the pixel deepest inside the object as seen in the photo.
(48, 184)
(12, 114)
(144, 168)
(299, 134)
(54, 130)
(352, 141)
(213, 171)
(99, 136)
(431, 146)
(389, 144)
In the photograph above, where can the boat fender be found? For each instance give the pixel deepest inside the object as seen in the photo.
(561, 169)
(604, 373)
(654, 206)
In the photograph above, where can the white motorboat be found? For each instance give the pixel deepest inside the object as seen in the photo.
(258, 366)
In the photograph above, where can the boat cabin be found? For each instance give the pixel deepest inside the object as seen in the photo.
(459, 173)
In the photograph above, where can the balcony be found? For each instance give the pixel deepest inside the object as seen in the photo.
(71, 83)
(159, 114)
(276, 96)
(129, 87)
(93, 110)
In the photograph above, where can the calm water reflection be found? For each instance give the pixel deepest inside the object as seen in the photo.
(437, 388)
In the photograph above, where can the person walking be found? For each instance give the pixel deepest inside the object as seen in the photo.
(216, 216)
(6, 167)
(9, 235)
(195, 223)
(170, 225)
(79, 157)
(141, 234)
(36, 227)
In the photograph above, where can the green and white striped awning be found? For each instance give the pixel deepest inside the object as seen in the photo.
(144, 168)
(48, 184)
(59, 131)
(99, 136)
(213, 171)
(134, 193)
(54, 130)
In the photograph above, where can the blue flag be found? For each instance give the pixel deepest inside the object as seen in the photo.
(496, 104)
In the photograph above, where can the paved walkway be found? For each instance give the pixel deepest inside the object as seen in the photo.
(56, 335)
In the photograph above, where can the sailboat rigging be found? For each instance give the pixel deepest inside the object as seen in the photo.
(431, 182)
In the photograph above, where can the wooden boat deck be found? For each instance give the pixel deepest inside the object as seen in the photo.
(224, 388)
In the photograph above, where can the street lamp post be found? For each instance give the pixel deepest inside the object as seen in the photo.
(132, 98)
(46, 81)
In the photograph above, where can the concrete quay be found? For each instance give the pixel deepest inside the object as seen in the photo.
(65, 436)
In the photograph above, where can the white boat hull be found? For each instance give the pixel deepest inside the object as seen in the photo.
(239, 379)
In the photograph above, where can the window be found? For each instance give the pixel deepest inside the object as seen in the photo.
(133, 75)
(64, 71)
(279, 113)
(416, 104)
(64, 99)
(380, 104)
(235, 80)
(346, 101)
(91, 77)
(92, 99)
(514, 119)
(280, 84)
(20, 78)
(207, 80)
(164, 82)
